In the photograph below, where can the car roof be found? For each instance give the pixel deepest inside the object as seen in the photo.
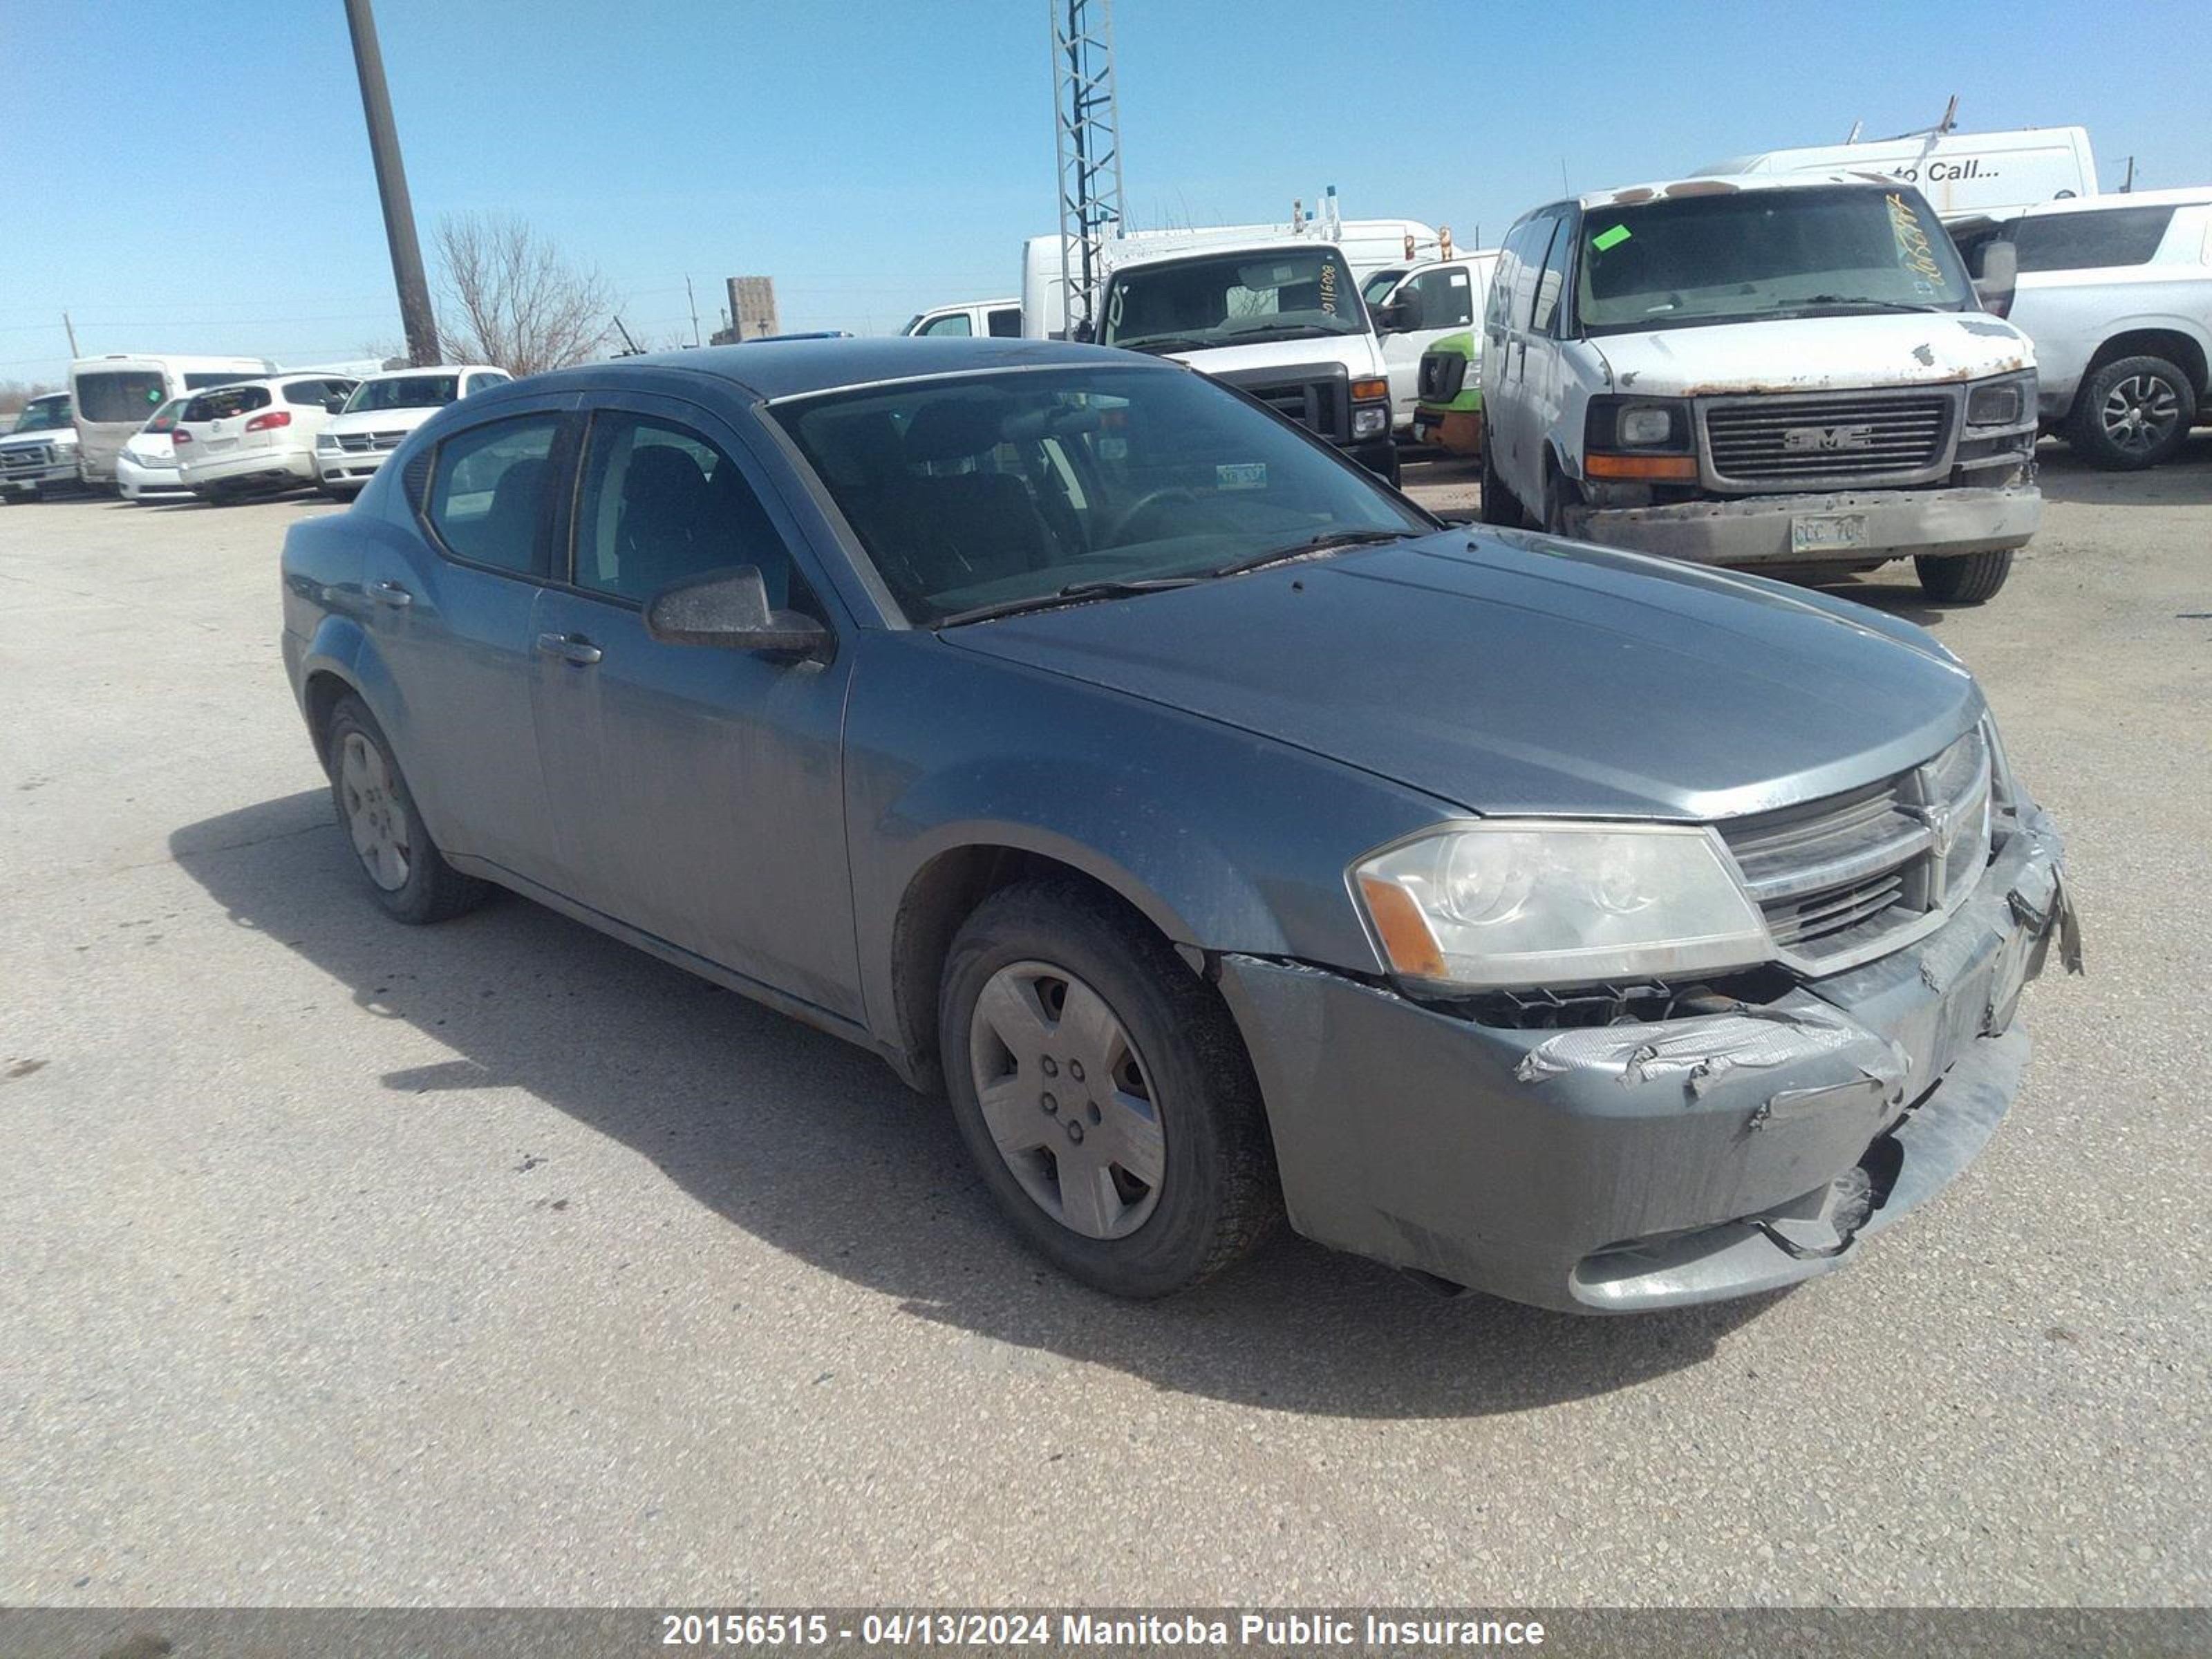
(789, 369)
(2115, 201)
(1718, 185)
(429, 368)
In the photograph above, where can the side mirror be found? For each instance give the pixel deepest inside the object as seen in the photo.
(1084, 333)
(729, 609)
(1394, 316)
(333, 405)
(2000, 275)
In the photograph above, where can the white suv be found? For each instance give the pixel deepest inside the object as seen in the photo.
(382, 411)
(2116, 291)
(255, 435)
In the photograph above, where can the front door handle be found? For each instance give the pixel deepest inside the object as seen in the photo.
(390, 593)
(570, 648)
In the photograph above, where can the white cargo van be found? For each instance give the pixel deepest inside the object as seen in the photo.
(1281, 321)
(998, 319)
(1368, 245)
(2117, 294)
(1768, 371)
(1957, 173)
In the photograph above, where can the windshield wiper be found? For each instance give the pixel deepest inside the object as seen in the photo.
(1328, 542)
(1283, 331)
(1853, 299)
(1164, 343)
(1073, 594)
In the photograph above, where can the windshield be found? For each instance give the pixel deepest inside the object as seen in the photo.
(1753, 253)
(404, 391)
(1230, 299)
(997, 489)
(45, 415)
(110, 397)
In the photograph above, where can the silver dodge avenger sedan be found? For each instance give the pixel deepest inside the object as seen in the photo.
(1224, 835)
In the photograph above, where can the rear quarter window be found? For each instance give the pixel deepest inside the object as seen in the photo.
(2086, 241)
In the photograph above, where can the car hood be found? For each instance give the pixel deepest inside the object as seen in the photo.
(59, 434)
(383, 420)
(1815, 353)
(1503, 671)
(1354, 353)
(152, 449)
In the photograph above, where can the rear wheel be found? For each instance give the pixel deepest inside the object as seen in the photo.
(1966, 579)
(406, 871)
(1103, 1093)
(2132, 413)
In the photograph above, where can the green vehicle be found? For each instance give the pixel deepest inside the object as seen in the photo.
(1448, 413)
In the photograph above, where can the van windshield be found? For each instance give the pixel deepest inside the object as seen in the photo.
(1233, 299)
(405, 391)
(108, 397)
(1750, 254)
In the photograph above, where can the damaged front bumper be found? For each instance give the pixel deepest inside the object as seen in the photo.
(1653, 1164)
(1757, 530)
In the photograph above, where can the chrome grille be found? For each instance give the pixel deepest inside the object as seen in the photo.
(1817, 440)
(1847, 879)
(27, 457)
(364, 443)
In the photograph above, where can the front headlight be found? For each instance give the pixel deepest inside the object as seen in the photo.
(2002, 402)
(1370, 423)
(1488, 906)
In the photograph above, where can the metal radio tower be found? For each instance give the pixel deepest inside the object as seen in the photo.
(1087, 133)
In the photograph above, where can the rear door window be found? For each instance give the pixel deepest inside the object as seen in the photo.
(491, 489)
(1005, 323)
(2084, 241)
(113, 395)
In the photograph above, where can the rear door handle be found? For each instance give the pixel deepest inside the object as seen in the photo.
(390, 593)
(570, 648)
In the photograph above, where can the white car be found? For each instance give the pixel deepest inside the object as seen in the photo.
(255, 435)
(2116, 291)
(996, 319)
(40, 451)
(146, 466)
(381, 413)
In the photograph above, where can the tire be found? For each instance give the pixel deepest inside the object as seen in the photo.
(405, 870)
(2132, 413)
(1499, 505)
(1964, 579)
(1201, 1130)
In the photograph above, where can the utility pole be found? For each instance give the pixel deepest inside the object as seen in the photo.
(694, 301)
(415, 313)
(71, 327)
(1086, 124)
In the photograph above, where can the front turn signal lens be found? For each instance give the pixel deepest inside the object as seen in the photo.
(1367, 391)
(1680, 468)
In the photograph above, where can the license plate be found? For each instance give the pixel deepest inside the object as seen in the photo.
(1827, 532)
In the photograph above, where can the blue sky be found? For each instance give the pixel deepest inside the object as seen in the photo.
(196, 178)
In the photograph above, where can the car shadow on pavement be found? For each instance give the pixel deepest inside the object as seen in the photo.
(2184, 481)
(813, 1146)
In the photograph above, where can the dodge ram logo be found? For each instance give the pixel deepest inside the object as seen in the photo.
(1798, 439)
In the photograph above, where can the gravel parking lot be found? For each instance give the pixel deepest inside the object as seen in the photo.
(498, 1262)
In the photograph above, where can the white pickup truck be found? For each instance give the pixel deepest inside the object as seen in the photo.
(1282, 321)
(40, 451)
(1778, 373)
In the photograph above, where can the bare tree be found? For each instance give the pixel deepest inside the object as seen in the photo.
(14, 394)
(510, 297)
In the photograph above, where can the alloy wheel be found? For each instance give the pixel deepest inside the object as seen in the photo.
(2140, 412)
(1068, 1099)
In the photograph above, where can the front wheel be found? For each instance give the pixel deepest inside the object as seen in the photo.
(1964, 579)
(406, 871)
(1103, 1093)
(1498, 506)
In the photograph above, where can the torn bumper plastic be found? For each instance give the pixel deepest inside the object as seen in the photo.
(1654, 1164)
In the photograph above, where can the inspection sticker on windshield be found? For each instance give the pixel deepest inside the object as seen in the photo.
(1241, 474)
(1609, 239)
(1827, 532)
